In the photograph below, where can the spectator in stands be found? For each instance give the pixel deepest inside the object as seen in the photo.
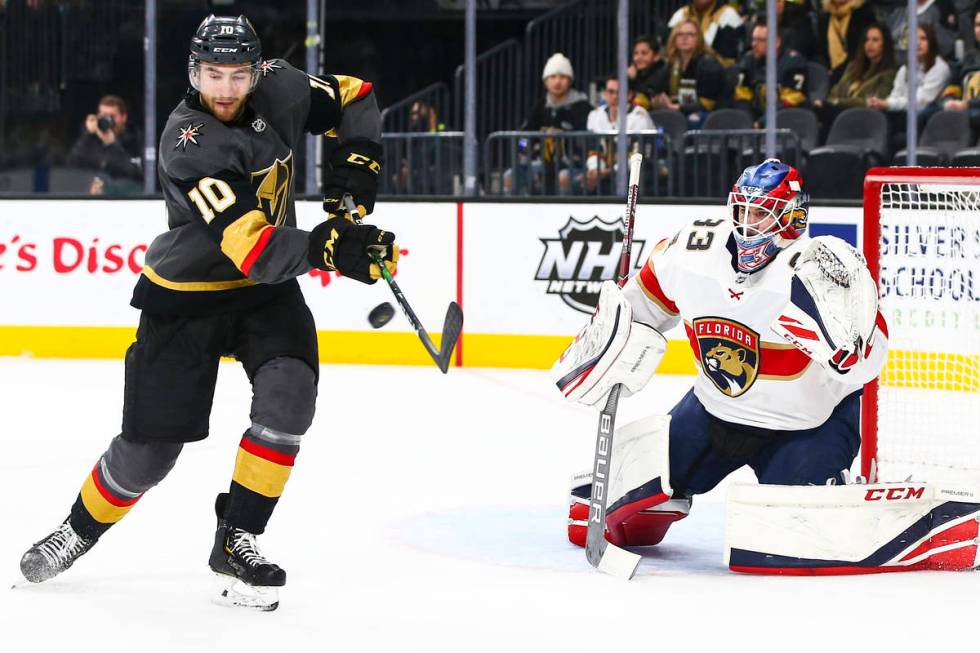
(720, 24)
(695, 79)
(795, 20)
(604, 119)
(939, 14)
(791, 76)
(108, 147)
(933, 74)
(425, 175)
(422, 117)
(647, 73)
(964, 93)
(562, 109)
(839, 29)
(871, 73)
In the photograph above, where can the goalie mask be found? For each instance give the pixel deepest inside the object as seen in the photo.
(769, 210)
(224, 40)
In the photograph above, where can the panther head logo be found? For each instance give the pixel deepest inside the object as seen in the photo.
(728, 364)
(728, 352)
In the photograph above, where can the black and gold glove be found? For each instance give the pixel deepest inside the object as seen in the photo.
(340, 244)
(355, 167)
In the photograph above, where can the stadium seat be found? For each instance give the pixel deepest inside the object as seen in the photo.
(818, 84)
(673, 122)
(707, 165)
(969, 157)
(803, 122)
(727, 119)
(857, 141)
(71, 180)
(945, 134)
(20, 180)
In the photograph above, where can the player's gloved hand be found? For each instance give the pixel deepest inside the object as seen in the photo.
(844, 358)
(355, 168)
(833, 305)
(340, 244)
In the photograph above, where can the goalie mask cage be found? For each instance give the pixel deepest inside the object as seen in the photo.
(921, 418)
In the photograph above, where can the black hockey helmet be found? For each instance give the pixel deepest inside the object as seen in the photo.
(224, 40)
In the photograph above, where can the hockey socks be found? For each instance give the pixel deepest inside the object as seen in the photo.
(100, 503)
(262, 467)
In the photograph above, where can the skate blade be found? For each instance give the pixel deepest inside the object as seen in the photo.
(233, 593)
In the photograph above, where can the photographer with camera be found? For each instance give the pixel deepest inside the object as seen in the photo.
(109, 148)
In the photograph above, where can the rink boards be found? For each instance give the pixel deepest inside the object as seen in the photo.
(526, 275)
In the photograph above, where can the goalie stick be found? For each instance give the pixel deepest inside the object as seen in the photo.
(452, 326)
(601, 554)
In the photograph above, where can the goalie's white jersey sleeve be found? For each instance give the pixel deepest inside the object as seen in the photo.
(747, 373)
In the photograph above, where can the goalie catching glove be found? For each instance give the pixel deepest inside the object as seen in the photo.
(611, 349)
(341, 244)
(833, 309)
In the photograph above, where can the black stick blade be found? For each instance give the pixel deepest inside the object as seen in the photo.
(451, 329)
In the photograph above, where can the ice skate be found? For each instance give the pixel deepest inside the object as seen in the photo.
(244, 577)
(54, 554)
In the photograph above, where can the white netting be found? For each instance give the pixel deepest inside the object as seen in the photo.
(929, 392)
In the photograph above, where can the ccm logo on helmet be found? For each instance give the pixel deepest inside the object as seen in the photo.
(225, 49)
(894, 493)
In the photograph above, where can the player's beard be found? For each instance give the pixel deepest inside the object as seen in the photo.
(224, 109)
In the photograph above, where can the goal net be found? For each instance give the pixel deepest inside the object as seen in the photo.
(922, 240)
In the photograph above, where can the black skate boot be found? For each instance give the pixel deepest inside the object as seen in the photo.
(55, 553)
(245, 577)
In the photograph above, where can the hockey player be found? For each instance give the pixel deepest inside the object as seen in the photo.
(785, 332)
(222, 281)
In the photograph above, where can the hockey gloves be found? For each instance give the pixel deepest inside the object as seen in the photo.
(833, 308)
(355, 168)
(340, 244)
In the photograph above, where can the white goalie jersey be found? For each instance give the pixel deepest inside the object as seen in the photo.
(757, 364)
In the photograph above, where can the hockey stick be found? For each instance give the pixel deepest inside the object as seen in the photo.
(452, 326)
(601, 554)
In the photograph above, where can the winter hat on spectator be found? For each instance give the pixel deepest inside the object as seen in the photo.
(558, 64)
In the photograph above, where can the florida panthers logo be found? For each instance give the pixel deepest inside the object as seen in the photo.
(728, 352)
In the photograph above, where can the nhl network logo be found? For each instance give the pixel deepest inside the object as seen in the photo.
(583, 256)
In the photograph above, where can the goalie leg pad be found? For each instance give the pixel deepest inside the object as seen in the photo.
(645, 528)
(649, 526)
(851, 529)
(638, 480)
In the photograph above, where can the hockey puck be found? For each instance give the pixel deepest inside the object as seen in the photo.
(381, 315)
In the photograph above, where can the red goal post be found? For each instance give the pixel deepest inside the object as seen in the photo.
(921, 238)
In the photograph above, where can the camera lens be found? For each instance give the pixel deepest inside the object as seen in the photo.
(105, 123)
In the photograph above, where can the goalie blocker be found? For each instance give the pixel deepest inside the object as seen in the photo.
(611, 349)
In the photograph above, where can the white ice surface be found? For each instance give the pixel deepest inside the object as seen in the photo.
(425, 513)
